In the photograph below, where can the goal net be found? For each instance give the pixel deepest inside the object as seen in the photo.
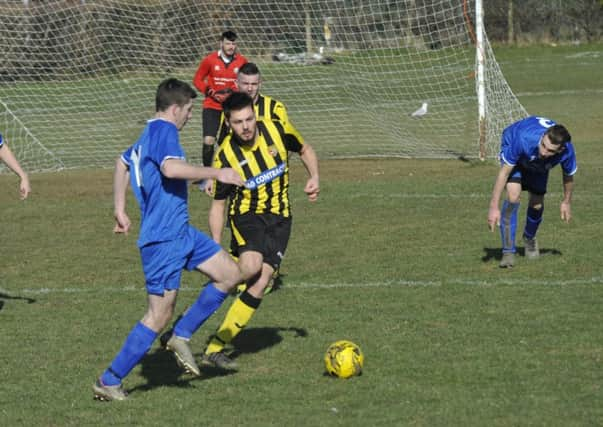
(78, 77)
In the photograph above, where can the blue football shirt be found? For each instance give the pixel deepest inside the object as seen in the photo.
(1, 141)
(520, 147)
(163, 201)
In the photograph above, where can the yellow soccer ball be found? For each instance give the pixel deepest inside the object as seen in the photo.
(344, 359)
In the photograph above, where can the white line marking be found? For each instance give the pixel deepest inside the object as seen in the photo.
(451, 196)
(596, 280)
(562, 92)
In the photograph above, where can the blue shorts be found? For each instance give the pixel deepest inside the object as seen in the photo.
(163, 262)
(531, 181)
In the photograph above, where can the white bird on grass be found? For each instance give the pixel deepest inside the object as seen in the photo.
(421, 111)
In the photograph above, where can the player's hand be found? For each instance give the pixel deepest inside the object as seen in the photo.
(220, 95)
(122, 223)
(312, 189)
(566, 212)
(230, 176)
(493, 218)
(24, 187)
(209, 188)
(206, 185)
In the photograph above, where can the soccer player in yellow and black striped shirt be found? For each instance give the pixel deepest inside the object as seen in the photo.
(249, 81)
(260, 212)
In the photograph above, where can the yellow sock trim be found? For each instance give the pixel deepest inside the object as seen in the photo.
(238, 316)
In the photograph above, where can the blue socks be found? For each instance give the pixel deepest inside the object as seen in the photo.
(508, 225)
(210, 299)
(533, 220)
(141, 338)
(135, 347)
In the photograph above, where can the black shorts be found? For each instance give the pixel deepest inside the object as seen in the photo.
(211, 121)
(530, 181)
(267, 234)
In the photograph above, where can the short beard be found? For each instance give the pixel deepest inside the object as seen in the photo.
(241, 141)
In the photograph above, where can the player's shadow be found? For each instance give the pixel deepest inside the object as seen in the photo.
(254, 340)
(496, 253)
(4, 296)
(160, 369)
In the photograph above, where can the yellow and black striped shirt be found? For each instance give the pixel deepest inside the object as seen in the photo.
(270, 109)
(264, 167)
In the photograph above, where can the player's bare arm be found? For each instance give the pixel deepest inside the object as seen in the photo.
(121, 178)
(310, 161)
(568, 189)
(216, 219)
(180, 169)
(7, 156)
(499, 186)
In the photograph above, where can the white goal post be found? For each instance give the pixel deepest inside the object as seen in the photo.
(78, 77)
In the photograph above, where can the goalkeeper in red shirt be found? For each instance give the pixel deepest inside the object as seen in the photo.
(216, 78)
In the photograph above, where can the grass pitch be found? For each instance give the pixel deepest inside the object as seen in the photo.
(395, 256)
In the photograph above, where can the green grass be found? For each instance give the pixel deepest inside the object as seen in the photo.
(395, 256)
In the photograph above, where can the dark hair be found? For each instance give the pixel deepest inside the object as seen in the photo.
(236, 102)
(558, 135)
(229, 35)
(249, 69)
(173, 91)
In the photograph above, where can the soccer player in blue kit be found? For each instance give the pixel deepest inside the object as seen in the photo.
(530, 148)
(157, 171)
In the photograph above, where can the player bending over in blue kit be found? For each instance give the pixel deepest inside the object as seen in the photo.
(530, 148)
(157, 171)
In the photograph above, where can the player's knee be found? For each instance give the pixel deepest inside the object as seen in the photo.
(251, 270)
(158, 320)
(230, 277)
(536, 202)
(250, 263)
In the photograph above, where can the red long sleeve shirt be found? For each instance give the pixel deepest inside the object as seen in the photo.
(214, 73)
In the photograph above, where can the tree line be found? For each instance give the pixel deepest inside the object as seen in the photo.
(39, 38)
